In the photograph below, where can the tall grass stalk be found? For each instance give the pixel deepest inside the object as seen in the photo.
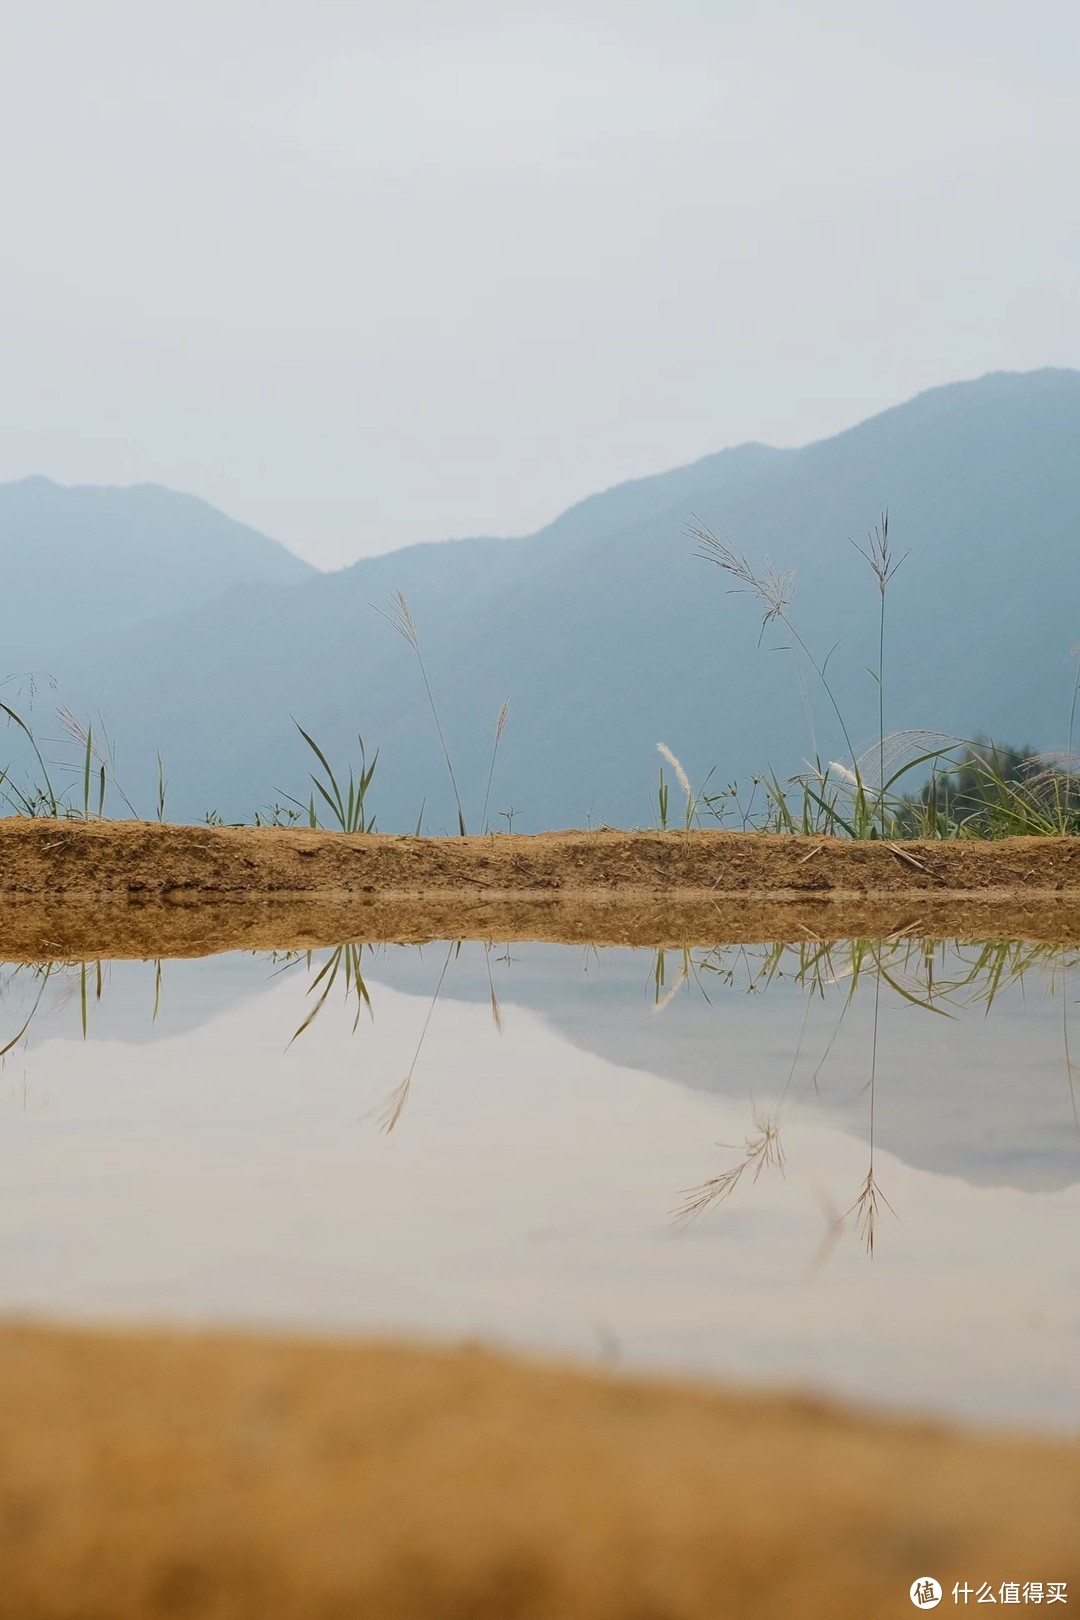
(775, 592)
(503, 716)
(399, 615)
(825, 807)
(883, 566)
(683, 781)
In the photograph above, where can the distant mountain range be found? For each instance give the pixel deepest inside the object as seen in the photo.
(199, 638)
(86, 562)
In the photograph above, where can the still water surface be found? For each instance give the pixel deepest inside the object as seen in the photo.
(676, 1165)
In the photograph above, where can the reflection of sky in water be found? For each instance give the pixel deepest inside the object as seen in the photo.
(201, 1169)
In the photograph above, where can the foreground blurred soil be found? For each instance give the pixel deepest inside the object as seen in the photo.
(232, 1478)
(78, 890)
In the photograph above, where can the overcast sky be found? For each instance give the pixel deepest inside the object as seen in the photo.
(366, 274)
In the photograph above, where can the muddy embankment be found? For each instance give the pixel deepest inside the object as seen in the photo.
(139, 889)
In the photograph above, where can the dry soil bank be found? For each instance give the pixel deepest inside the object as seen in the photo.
(71, 889)
(147, 1475)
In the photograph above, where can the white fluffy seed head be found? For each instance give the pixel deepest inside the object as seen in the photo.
(683, 779)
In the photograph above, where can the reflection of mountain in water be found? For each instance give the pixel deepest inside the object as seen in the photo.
(983, 1098)
(126, 1001)
(986, 1099)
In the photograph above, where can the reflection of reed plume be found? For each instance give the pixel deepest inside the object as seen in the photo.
(392, 1109)
(865, 1209)
(394, 1106)
(761, 1151)
(663, 997)
(688, 969)
(1070, 1067)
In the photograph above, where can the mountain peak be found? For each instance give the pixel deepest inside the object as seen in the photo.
(78, 554)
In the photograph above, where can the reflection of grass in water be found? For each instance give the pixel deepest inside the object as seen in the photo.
(865, 1208)
(43, 971)
(1070, 1071)
(762, 1150)
(86, 979)
(84, 992)
(664, 994)
(344, 960)
(913, 967)
(817, 967)
(931, 975)
(820, 967)
(394, 1106)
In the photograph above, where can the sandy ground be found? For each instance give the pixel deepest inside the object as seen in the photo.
(70, 889)
(269, 1479)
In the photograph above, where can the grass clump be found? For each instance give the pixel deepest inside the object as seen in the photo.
(93, 772)
(975, 789)
(996, 791)
(346, 801)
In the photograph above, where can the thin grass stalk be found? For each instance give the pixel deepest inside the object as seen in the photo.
(503, 713)
(86, 772)
(774, 590)
(400, 617)
(883, 566)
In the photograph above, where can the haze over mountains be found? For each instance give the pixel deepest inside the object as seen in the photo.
(199, 638)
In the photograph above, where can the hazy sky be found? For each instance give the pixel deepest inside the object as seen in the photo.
(365, 274)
